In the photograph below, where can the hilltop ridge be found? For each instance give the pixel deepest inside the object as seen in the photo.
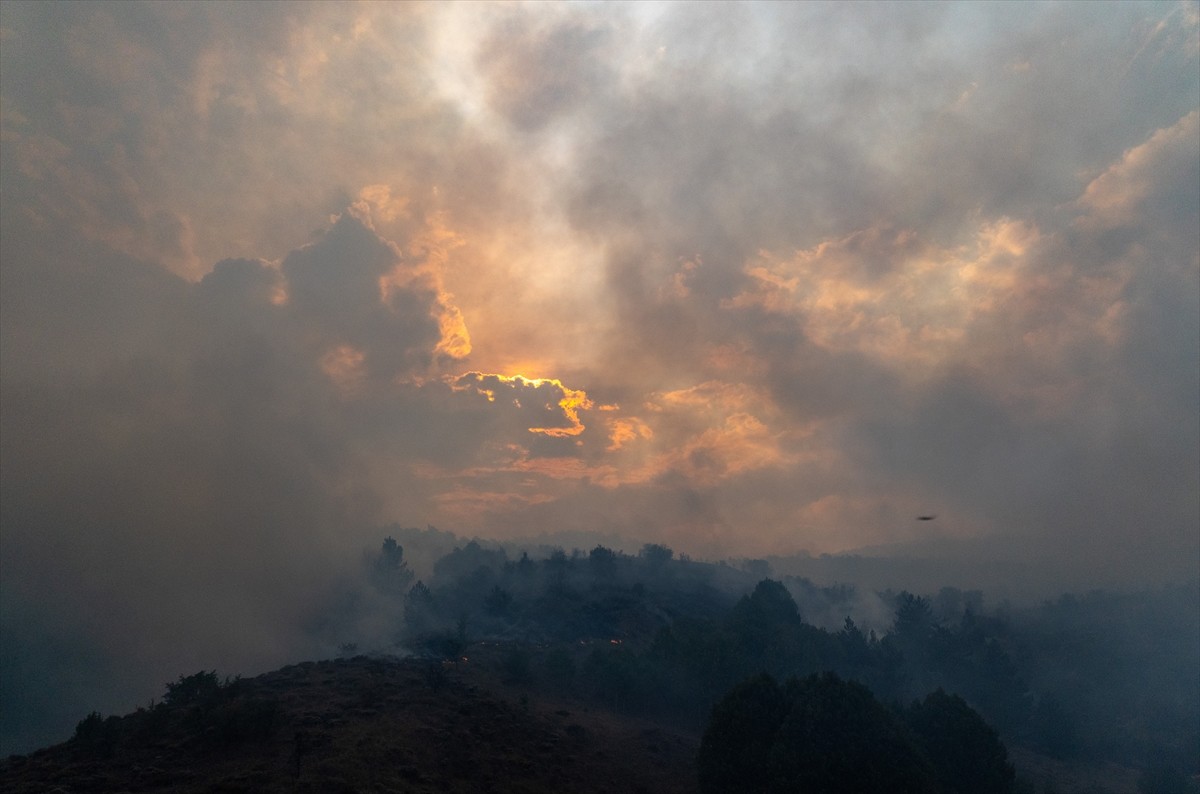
(364, 724)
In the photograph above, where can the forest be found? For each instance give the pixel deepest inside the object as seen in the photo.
(452, 665)
(1100, 676)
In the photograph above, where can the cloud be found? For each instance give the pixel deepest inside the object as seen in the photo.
(205, 443)
(541, 72)
(544, 405)
(1151, 178)
(838, 213)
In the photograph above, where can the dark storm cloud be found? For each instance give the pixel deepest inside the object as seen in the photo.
(186, 471)
(338, 288)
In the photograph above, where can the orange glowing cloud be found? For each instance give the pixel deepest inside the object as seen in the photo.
(625, 430)
(1114, 197)
(455, 341)
(706, 433)
(1011, 298)
(885, 293)
(421, 265)
(556, 406)
(740, 444)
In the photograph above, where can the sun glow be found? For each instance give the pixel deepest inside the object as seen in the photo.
(554, 398)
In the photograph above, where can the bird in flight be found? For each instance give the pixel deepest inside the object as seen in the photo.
(926, 518)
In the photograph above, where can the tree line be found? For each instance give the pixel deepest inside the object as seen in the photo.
(659, 634)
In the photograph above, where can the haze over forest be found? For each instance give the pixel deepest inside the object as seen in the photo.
(747, 280)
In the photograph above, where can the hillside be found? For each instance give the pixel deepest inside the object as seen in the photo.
(598, 672)
(365, 724)
(388, 724)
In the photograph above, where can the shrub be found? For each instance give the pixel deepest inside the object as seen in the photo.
(819, 734)
(966, 752)
(198, 688)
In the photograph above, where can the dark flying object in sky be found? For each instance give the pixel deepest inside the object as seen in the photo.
(926, 518)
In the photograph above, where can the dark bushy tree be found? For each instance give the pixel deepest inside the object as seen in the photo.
(819, 735)
(966, 752)
(556, 566)
(764, 620)
(201, 687)
(769, 605)
(771, 636)
(418, 610)
(390, 572)
(524, 567)
(603, 563)
(838, 738)
(656, 555)
(498, 601)
(465, 562)
(97, 735)
(914, 617)
(736, 746)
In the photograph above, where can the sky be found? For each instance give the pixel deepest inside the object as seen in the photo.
(744, 279)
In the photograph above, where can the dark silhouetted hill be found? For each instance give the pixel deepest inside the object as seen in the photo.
(358, 725)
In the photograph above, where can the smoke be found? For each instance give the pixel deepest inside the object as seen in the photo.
(745, 280)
